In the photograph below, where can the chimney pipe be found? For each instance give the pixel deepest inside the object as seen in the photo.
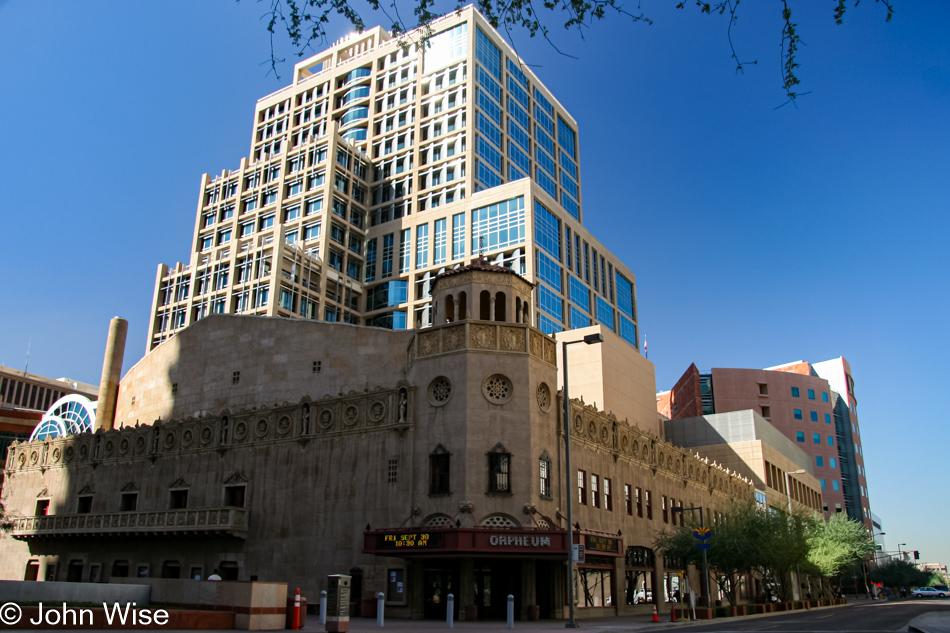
(111, 374)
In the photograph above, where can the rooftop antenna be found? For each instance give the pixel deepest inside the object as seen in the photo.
(28, 343)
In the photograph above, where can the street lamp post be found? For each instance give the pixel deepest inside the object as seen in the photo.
(788, 494)
(702, 524)
(900, 554)
(590, 339)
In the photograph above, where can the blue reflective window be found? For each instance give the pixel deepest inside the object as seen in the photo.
(487, 53)
(517, 92)
(514, 173)
(549, 326)
(824, 396)
(547, 230)
(548, 270)
(543, 120)
(579, 293)
(488, 153)
(628, 331)
(543, 103)
(811, 394)
(516, 73)
(827, 418)
(605, 313)
(835, 485)
(371, 260)
(567, 137)
(814, 416)
(358, 92)
(486, 127)
(439, 243)
(545, 161)
(831, 440)
(816, 438)
(486, 176)
(570, 206)
(833, 463)
(549, 301)
(388, 294)
(819, 460)
(547, 183)
(795, 392)
(800, 436)
(544, 140)
(518, 114)
(625, 296)
(518, 157)
(519, 136)
(822, 483)
(569, 165)
(578, 318)
(798, 414)
(458, 236)
(569, 185)
(490, 108)
(489, 84)
(501, 224)
(395, 320)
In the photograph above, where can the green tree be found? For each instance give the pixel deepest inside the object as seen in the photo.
(837, 544)
(305, 21)
(900, 573)
(783, 548)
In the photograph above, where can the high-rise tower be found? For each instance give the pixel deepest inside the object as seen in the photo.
(382, 165)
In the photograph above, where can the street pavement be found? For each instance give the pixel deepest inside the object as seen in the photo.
(861, 616)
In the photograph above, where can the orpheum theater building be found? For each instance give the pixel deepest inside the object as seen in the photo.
(421, 462)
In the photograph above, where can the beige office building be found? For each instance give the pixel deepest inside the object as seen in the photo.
(381, 166)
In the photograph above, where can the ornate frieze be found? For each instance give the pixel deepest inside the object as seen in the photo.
(483, 335)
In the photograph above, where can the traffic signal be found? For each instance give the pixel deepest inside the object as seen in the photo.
(916, 555)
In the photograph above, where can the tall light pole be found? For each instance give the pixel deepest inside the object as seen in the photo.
(702, 524)
(788, 494)
(590, 339)
(900, 554)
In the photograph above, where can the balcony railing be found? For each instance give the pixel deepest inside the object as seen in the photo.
(206, 522)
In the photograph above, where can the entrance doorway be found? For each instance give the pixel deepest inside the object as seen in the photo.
(494, 581)
(438, 583)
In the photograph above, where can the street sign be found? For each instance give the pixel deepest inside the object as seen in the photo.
(877, 548)
(702, 533)
(579, 554)
(702, 545)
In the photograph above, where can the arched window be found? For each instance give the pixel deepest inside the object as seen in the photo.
(517, 309)
(485, 307)
(462, 306)
(524, 312)
(449, 308)
(501, 307)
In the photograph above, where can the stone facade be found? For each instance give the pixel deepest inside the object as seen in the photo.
(287, 450)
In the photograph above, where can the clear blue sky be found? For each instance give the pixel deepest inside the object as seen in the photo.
(758, 235)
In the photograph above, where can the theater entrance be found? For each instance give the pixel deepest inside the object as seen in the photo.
(438, 582)
(494, 581)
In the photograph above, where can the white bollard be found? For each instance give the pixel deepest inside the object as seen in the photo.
(511, 611)
(379, 609)
(450, 612)
(323, 607)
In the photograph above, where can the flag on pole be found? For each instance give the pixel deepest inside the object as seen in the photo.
(646, 352)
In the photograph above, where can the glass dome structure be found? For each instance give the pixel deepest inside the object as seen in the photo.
(69, 415)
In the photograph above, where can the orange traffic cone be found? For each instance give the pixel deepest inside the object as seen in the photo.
(656, 616)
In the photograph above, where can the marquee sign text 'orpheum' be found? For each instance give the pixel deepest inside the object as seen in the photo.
(505, 540)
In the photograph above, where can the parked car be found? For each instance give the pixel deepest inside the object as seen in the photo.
(943, 588)
(928, 592)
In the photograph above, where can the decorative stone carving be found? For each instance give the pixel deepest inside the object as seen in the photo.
(513, 339)
(428, 343)
(453, 338)
(439, 391)
(604, 435)
(283, 425)
(261, 428)
(240, 431)
(544, 397)
(187, 437)
(325, 419)
(207, 434)
(550, 351)
(497, 389)
(377, 412)
(482, 336)
(169, 441)
(57, 454)
(351, 415)
(537, 345)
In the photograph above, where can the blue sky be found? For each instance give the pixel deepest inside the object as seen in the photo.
(759, 235)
